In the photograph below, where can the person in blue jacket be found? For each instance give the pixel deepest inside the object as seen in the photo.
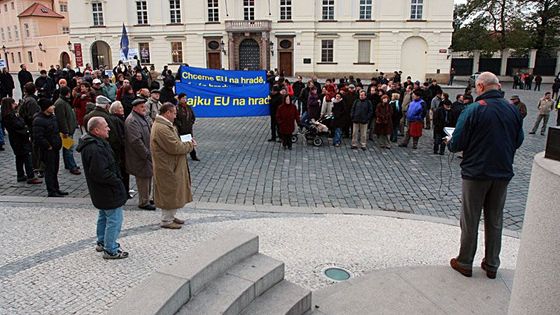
(488, 132)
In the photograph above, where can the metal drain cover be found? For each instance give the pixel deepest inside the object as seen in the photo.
(337, 274)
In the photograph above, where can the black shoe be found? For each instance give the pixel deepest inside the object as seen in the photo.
(354, 148)
(402, 145)
(147, 207)
(542, 133)
(195, 159)
(152, 202)
(55, 194)
(363, 148)
(22, 179)
(442, 153)
(2, 146)
(40, 174)
(289, 148)
(532, 133)
(130, 196)
(119, 255)
(271, 140)
(60, 192)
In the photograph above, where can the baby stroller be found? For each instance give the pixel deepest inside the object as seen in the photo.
(313, 131)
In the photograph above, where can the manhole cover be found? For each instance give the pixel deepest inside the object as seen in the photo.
(337, 274)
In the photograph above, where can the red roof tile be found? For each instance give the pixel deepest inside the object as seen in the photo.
(40, 10)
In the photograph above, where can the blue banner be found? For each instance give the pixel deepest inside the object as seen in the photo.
(224, 93)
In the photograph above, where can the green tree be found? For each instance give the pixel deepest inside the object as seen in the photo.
(544, 19)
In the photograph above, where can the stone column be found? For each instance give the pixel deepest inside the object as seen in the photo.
(505, 55)
(232, 53)
(532, 58)
(476, 61)
(536, 285)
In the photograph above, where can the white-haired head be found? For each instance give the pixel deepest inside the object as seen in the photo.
(487, 81)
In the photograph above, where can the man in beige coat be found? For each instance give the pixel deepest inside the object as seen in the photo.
(546, 104)
(172, 178)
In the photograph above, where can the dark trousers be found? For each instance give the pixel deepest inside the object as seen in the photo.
(51, 158)
(193, 154)
(286, 140)
(537, 86)
(395, 132)
(490, 196)
(125, 177)
(273, 126)
(439, 146)
(36, 158)
(23, 162)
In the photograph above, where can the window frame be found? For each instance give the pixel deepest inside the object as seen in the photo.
(63, 7)
(175, 14)
(285, 10)
(366, 7)
(16, 32)
(327, 51)
(248, 10)
(3, 34)
(177, 47)
(27, 30)
(30, 56)
(140, 47)
(368, 60)
(327, 10)
(213, 11)
(416, 9)
(9, 33)
(142, 12)
(97, 13)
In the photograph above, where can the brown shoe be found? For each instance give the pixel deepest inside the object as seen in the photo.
(172, 226)
(178, 221)
(464, 271)
(34, 181)
(489, 274)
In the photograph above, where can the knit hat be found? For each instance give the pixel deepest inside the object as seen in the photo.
(102, 101)
(44, 103)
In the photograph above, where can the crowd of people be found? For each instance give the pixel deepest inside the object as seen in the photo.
(127, 127)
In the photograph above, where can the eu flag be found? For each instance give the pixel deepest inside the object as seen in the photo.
(124, 42)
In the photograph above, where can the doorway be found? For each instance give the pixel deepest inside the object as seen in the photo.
(249, 55)
(101, 55)
(64, 59)
(286, 64)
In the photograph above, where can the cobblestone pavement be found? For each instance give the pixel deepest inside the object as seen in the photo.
(48, 264)
(240, 167)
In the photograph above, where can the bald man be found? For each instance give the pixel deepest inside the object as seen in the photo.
(488, 132)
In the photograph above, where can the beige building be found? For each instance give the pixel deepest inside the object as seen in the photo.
(324, 37)
(34, 33)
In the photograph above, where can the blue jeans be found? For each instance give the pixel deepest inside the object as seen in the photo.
(109, 224)
(337, 136)
(68, 156)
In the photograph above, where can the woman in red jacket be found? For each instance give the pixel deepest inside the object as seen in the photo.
(286, 116)
(80, 103)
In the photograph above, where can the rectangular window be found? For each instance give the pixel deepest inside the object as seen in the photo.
(328, 10)
(365, 9)
(142, 12)
(248, 10)
(19, 57)
(285, 10)
(6, 7)
(416, 7)
(26, 28)
(9, 33)
(13, 6)
(327, 50)
(144, 49)
(63, 7)
(16, 32)
(65, 30)
(175, 11)
(97, 9)
(177, 52)
(30, 56)
(3, 35)
(13, 59)
(364, 50)
(213, 13)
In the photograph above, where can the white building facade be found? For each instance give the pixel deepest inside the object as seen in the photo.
(328, 38)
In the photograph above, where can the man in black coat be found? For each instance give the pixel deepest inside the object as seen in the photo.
(185, 120)
(46, 137)
(275, 102)
(105, 186)
(24, 77)
(6, 84)
(45, 85)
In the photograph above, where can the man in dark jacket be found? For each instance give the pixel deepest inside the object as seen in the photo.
(24, 77)
(45, 85)
(361, 113)
(67, 123)
(275, 101)
(488, 132)
(46, 137)
(442, 119)
(6, 84)
(105, 187)
(185, 120)
(28, 109)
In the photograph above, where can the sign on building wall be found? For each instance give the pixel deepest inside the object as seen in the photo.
(79, 56)
(2, 63)
(224, 93)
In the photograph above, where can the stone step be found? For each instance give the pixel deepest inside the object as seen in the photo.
(237, 288)
(177, 283)
(285, 298)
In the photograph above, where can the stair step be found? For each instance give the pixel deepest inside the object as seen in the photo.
(237, 288)
(285, 298)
